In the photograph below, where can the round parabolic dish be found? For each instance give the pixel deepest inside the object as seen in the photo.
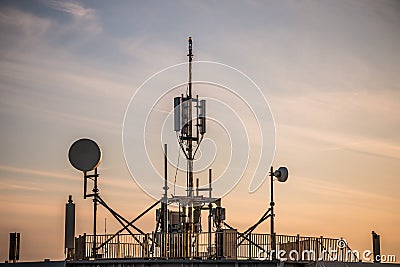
(84, 155)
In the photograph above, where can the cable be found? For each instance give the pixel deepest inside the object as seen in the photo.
(177, 164)
(198, 145)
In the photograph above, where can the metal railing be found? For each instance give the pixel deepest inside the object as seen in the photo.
(227, 244)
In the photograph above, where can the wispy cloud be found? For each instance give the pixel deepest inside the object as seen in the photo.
(149, 52)
(339, 141)
(6, 186)
(72, 8)
(345, 193)
(85, 19)
(358, 121)
(118, 184)
(34, 172)
(17, 23)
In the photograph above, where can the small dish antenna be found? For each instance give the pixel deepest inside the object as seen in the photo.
(282, 174)
(84, 155)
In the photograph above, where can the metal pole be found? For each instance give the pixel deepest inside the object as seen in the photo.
(95, 193)
(272, 204)
(209, 213)
(164, 205)
(190, 148)
(84, 184)
(197, 187)
(376, 247)
(190, 137)
(165, 186)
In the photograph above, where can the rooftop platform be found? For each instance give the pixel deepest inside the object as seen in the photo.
(192, 263)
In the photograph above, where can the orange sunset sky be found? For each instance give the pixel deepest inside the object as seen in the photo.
(328, 69)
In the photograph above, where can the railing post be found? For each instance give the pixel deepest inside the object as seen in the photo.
(167, 245)
(249, 246)
(298, 243)
(152, 249)
(84, 245)
(118, 247)
(321, 247)
(145, 246)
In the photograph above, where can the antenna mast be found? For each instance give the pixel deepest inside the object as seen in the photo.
(190, 126)
(190, 141)
(190, 137)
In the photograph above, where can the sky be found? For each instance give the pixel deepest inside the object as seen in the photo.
(328, 69)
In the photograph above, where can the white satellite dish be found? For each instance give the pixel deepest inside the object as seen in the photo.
(84, 155)
(282, 174)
